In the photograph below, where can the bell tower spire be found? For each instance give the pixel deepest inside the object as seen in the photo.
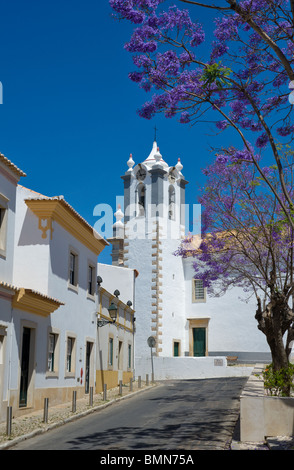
(152, 229)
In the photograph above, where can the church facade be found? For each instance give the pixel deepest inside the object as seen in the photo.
(171, 306)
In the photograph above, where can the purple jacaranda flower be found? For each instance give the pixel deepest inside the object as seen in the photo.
(286, 130)
(222, 124)
(185, 117)
(262, 140)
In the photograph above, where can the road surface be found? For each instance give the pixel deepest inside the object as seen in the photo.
(187, 415)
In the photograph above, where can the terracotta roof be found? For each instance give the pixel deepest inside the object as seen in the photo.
(11, 166)
(39, 294)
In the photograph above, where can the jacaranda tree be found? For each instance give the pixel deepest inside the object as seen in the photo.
(247, 242)
(241, 81)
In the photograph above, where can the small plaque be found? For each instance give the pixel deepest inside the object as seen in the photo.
(218, 362)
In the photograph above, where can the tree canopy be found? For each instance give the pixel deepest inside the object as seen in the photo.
(241, 78)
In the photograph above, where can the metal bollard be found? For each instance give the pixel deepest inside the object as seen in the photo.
(9, 421)
(91, 396)
(46, 405)
(147, 379)
(74, 401)
(120, 387)
(131, 385)
(139, 381)
(104, 392)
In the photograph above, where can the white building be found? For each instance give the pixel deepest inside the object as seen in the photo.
(49, 303)
(170, 304)
(115, 346)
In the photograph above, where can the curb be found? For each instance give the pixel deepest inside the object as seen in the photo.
(75, 417)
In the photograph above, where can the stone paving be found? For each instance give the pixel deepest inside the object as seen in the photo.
(31, 424)
(271, 443)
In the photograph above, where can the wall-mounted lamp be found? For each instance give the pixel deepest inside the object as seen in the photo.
(112, 310)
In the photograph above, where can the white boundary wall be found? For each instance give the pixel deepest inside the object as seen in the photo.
(168, 368)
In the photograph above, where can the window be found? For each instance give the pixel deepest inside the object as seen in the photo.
(73, 269)
(129, 356)
(171, 203)
(1, 349)
(91, 271)
(2, 213)
(51, 351)
(3, 223)
(69, 354)
(110, 352)
(141, 200)
(198, 291)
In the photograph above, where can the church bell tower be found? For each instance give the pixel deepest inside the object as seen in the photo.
(146, 234)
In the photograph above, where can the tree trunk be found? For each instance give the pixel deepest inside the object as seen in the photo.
(274, 321)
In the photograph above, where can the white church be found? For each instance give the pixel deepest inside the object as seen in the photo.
(171, 306)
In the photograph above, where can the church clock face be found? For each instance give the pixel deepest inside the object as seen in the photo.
(141, 174)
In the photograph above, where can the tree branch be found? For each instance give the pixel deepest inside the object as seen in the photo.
(214, 7)
(235, 7)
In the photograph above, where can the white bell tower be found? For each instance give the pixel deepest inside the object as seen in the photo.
(154, 224)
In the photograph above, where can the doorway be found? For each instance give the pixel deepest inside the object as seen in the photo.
(120, 360)
(88, 366)
(25, 366)
(198, 336)
(199, 342)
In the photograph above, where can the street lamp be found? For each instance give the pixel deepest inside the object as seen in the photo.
(112, 310)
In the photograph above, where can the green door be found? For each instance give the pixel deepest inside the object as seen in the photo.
(176, 349)
(199, 341)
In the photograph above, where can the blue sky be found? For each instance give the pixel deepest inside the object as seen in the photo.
(68, 117)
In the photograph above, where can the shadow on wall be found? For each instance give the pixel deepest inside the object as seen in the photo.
(30, 233)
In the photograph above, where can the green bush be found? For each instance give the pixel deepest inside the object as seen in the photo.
(279, 383)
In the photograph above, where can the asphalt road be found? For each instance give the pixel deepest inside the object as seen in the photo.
(186, 415)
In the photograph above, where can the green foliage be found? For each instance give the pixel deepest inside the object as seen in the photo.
(279, 383)
(214, 73)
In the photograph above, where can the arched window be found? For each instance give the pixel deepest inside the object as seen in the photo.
(171, 203)
(141, 199)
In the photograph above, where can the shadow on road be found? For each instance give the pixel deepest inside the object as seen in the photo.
(191, 415)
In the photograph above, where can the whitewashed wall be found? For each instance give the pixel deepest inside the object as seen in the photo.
(232, 327)
(8, 191)
(32, 252)
(115, 277)
(187, 368)
(42, 265)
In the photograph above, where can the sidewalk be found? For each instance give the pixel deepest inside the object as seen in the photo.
(32, 424)
(271, 443)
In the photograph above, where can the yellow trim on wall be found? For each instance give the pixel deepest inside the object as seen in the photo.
(60, 211)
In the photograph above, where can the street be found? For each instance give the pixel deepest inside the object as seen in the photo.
(186, 415)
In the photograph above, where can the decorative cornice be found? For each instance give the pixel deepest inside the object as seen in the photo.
(59, 210)
(34, 302)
